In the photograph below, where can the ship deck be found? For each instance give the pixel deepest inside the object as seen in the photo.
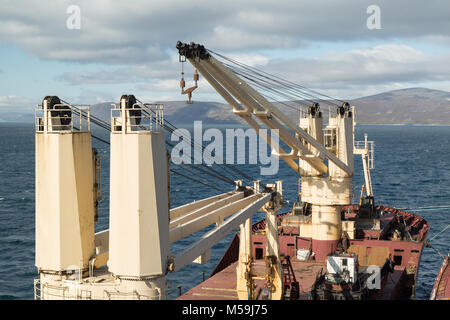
(222, 285)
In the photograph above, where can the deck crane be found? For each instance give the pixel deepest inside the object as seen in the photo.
(326, 169)
(131, 259)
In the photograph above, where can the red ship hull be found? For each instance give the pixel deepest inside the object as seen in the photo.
(441, 288)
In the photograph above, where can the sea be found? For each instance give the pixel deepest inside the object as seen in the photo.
(412, 170)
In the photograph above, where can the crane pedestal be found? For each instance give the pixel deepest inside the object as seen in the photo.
(139, 207)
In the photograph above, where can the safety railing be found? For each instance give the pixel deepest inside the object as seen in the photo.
(37, 289)
(132, 295)
(169, 286)
(62, 117)
(366, 147)
(140, 117)
(47, 291)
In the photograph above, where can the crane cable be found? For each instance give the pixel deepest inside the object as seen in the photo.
(93, 119)
(273, 90)
(215, 173)
(267, 81)
(440, 232)
(266, 85)
(107, 127)
(224, 178)
(428, 244)
(292, 91)
(233, 170)
(281, 80)
(192, 179)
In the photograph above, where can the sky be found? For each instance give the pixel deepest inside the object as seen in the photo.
(341, 48)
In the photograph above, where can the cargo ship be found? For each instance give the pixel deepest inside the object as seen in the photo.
(324, 248)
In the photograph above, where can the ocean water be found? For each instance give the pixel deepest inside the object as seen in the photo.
(411, 170)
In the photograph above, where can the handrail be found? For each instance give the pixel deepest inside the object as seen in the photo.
(140, 117)
(63, 117)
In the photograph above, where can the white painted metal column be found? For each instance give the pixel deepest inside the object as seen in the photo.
(139, 210)
(65, 208)
(244, 285)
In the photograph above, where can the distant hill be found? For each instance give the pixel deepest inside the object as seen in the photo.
(406, 106)
(417, 106)
(179, 112)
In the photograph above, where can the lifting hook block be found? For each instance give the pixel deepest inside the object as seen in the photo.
(191, 89)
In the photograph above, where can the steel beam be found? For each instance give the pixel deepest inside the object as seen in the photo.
(209, 239)
(277, 113)
(265, 117)
(206, 208)
(176, 213)
(242, 112)
(209, 218)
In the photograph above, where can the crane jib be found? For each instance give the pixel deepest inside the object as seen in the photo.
(231, 87)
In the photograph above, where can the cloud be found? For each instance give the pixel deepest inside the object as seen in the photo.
(378, 65)
(250, 59)
(133, 42)
(136, 32)
(12, 101)
(165, 69)
(88, 96)
(350, 72)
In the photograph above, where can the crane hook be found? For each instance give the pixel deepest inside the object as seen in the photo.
(191, 89)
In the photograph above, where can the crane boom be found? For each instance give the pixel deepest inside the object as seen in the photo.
(253, 105)
(326, 168)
